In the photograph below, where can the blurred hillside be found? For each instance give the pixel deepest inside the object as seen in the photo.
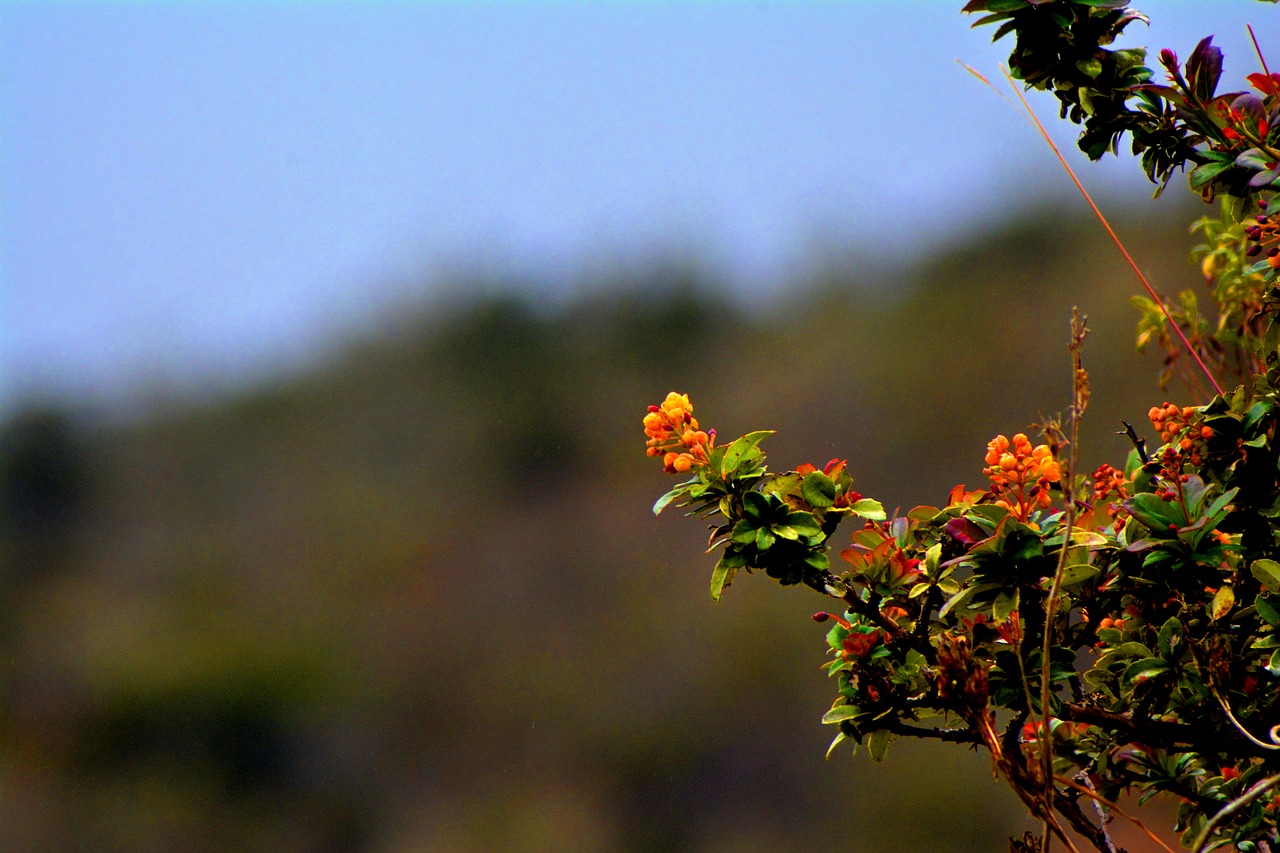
(415, 599)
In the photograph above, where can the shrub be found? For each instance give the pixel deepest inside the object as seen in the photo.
(1098, 633)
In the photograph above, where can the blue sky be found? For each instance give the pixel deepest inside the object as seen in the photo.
(195, 191)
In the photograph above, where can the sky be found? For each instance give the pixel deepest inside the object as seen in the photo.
(195, 193)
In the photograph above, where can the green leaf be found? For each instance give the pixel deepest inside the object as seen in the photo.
(878, 744)
(1146, 668)
(1006, 602)
(1267, 572)
(1172, 640)
(840, 713)
(1273, 665)
(738, 450)
(721, 577)
(1206, 172)
(961, 597)
(818, 490)
(1131, 650)
(818, 561)
(662, 502)
(1078, 574)
(744, 533)
(804, 524)
(765, 538)
(1267, 610)
(1270, 641)
(1156, 513)
(869, 509)
(1090, 67)
(839, 739)
(756, 506)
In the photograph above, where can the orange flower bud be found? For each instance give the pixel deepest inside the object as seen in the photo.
(682, 463)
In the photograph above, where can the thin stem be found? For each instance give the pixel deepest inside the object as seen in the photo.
(1110, 231)
(1096, 797)
(1231, 808)
(1274, 733)
(1261, 59)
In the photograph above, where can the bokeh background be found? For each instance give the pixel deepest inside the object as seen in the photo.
(327, 332)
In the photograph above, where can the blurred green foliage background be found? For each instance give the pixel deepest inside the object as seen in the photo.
(412, 597)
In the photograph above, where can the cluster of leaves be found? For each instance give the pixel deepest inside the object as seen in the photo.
(1099, 635)
(1164, 653)
(1229, 140)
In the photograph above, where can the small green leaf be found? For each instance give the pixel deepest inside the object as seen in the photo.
(840, 713)
(1078, 574)
(818, 561)
(662, 502)
(738, 450)
(1171, 640)
(721, 577)
(878, 744)
(1005, 603)
(869, 509)
(818, 490)
(765, 538)
(1267, 610)
(839, 739)
(1270, 641)
(1273, 665)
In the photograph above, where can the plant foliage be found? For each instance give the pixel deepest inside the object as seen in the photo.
(1098, 633)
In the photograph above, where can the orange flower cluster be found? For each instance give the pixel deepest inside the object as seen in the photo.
(674, 435)
(1020, 474)
(1178, 429)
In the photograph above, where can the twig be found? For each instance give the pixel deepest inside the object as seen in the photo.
(1274, 732)
(1104, 817)
(1110, 231)
(1071, 783)
(1231, 808)
(1261, 59)
(1079, 400)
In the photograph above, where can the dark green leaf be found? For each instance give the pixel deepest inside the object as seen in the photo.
(804, 524)
(1206, 172)
(1267, 610)
(818, 490)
